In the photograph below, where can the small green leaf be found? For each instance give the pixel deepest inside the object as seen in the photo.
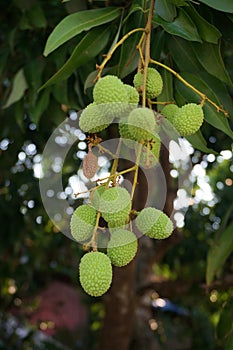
(206, 30)
(210, 58)
(165, 9)
(19, 86)
(78, 22)
(89, 47)
(218, 253)
(198, 141)
(221, 5)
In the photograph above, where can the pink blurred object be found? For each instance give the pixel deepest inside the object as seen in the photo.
(59, 308)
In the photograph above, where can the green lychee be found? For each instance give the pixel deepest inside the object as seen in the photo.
(115, 206)
(110, 93)
(82, 222)
(94, 119)
(188, 119)
(150, 152)
(142, 124)
(154, 223)
(154, 83)
(169, 111)
(122, 247)
(95, 273)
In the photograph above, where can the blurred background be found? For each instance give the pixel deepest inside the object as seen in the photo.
(161, 300)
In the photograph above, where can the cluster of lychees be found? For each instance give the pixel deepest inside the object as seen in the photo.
(114, 206)
(139, 129)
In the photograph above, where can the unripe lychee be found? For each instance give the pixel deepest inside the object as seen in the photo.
(188, 119)
(133, 95)
(154, 83)
(154, 223)
(150, 152)
(115, 206)
(94, 119)
(82, 222)
(96, 195)
(169, 111)
(125, 134)
(122, 247)
(95, 273)
(110, 93)
(142, 124)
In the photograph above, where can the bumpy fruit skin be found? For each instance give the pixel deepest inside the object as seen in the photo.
(110, 92)
(133, 95)
(95, 197)
(122, 247)
(125, 133)
(154, 223)
(169, 111)
(141, 124)
(154, 83)
(109, 89)
(188, 119)
(115, 206)
(149, 153)
(95, 273)
(94, 119)
(82, 222)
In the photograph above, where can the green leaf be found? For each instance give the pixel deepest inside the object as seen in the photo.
(36, 17)
(225, 323)
(182, 26)
(218, 253)
(129, 54)
(91, 77)
(77, 23)
(40, 106)
(221, 5)
(198, 141)
(206, 30)
(89, 47)
(229, 344)
(210, 58)
(19, 86)
(220, 90)
(183, 55)
(216, 119)
(165, 9)
(167, 92)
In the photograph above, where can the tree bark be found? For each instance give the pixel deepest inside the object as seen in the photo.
(120, 301)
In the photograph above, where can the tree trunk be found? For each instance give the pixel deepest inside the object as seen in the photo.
(120, 301)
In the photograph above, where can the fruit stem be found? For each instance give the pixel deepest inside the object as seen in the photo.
(203, 96)
(93, 242)
(147, 50)
(135, 179)
(115, 165)
(109, 55)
